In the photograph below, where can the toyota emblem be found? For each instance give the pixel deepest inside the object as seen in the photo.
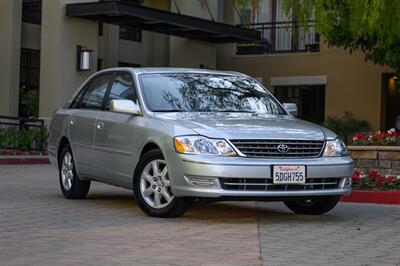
(283, 148)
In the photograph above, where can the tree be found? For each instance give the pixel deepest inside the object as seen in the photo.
(372, 26)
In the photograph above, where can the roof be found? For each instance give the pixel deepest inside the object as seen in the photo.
(156, 20)
(154, 70)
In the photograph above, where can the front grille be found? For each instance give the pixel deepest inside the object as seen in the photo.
(266, 184)
(269, 148)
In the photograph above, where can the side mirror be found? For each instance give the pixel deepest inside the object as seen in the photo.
(125, 106)
(290, 108)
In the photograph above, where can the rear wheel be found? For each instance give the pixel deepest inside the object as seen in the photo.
(314, 205)
(71, 186)
(152, 188)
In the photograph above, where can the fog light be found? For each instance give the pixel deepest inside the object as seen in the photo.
(202, 181)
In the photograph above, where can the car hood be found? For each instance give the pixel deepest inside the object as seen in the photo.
(249, 125)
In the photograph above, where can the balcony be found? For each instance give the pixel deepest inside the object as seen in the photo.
(281, 37)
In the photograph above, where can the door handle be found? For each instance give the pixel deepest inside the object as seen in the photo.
(100, 125)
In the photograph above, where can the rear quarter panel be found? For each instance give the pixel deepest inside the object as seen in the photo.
(57, 130)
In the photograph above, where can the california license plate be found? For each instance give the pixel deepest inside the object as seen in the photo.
(289, 174)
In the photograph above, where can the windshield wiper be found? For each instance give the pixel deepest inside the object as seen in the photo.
(169, 110)
(235, 111)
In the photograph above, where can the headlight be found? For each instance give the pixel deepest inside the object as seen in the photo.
(202, 145)
(335, 148)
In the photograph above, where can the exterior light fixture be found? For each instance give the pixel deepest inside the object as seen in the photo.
(84, 59)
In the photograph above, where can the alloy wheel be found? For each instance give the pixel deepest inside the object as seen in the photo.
(155, 186)
(67, 171)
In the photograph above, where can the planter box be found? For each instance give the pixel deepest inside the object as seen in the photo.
(384, 159)
(366, 196)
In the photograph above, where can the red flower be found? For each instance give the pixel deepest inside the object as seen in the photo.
(366, 137)
(357, 136)
(382, 135)
(44, 152)
(389, 179)
(5, 152)
(32, 152)
(19, 152)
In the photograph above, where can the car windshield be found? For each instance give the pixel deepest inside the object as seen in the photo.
(194, 92)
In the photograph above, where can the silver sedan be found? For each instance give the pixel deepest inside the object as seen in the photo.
(178, 135)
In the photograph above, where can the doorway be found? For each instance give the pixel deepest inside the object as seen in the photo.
(390, 100)
(310, 100)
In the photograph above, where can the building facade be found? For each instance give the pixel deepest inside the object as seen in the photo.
(39, 54)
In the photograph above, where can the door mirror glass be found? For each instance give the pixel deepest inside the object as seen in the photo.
(125, 106)
(290, 108)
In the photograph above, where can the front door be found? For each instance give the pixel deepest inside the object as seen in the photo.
(390, 101)
(115, 136)
(82, 121)
(310, 100)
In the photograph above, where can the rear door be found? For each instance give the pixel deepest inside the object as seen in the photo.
(82, 123)
(115, 135)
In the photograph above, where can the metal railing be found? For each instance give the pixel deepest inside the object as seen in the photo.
(281, 37)
(22, 133)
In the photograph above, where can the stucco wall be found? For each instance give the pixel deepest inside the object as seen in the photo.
(59, 39)
(10, 46)
(189, 53)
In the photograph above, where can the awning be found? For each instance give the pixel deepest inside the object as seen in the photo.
(161, 21)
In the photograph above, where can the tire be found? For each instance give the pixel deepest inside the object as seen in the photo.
(152, 188)
(71, 186)
(314, 205)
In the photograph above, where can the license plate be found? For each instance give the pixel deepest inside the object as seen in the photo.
(289, 174)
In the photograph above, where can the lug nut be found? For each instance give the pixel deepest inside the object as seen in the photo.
(154, 179)
(159, 190)
(154, 186)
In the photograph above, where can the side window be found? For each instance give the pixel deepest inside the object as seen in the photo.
(94, 95)
(77, 100)
(122, 89)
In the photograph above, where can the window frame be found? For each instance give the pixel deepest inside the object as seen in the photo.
(82, 92)
(110, 87)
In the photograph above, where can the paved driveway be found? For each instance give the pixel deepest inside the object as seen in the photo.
(39, 227)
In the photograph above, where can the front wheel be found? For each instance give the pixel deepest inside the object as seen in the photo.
(152, 188)
(314, 205)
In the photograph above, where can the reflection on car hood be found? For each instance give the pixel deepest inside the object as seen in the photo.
(248, 125)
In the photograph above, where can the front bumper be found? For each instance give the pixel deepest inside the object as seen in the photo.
(201, 176)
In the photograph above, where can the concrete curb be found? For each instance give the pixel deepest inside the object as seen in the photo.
(379, 197)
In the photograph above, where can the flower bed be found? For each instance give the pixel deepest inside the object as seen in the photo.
(374, 181)
(378, 138)
(372, 187)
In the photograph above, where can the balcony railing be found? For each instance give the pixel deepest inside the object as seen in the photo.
(281, 37)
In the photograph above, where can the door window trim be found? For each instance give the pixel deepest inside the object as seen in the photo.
(84, 89)
(110, 87)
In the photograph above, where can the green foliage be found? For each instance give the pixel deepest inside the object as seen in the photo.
(25, 139)
(30, 103)
(346, 126)
(372, 26)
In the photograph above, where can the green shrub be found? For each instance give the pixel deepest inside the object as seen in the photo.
(346, 126)
(23, 139)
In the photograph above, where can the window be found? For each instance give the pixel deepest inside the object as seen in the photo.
(29, 82)
(130, 34)
(124, 64)
(32, 11)
(94, 94)
(122, 89)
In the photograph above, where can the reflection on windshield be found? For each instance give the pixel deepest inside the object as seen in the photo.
(193, 92)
